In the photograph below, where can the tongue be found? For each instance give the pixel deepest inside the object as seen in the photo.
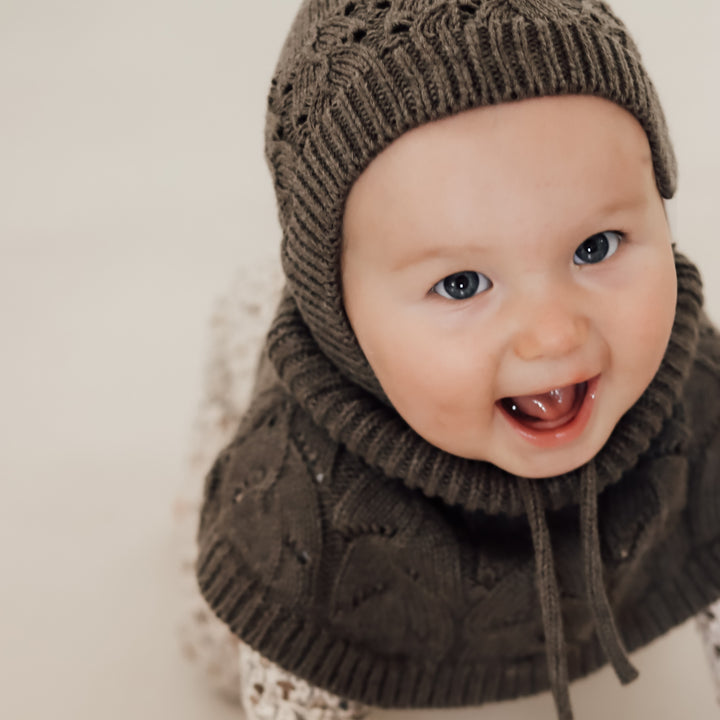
(547, 406)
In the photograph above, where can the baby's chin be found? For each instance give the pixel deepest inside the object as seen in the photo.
(525, 460)
(533, 463)
(541, 470)
(538, 464)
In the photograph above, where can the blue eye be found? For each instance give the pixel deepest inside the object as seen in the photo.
(597, 248)
(462, 285)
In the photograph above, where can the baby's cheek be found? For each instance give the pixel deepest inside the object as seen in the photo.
(428, 384)
(655, 311)
(644, 328)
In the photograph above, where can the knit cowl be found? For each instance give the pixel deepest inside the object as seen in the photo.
(642, 470)
(354, 554)
(343, 546)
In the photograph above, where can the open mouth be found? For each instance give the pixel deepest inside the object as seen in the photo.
(555, 416)
(549, 410)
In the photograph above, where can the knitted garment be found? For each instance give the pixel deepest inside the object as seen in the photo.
(236, 331)
(239, 674)
(339, 543)
(346, 549)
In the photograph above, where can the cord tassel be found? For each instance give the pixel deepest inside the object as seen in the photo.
(547, 586)
(605, 626)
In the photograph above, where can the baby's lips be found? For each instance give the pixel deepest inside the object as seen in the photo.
(554, 433)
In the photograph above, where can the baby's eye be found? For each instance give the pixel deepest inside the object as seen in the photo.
(597, 248)
(462, 285)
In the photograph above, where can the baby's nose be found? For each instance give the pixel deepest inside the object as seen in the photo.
(550, 331)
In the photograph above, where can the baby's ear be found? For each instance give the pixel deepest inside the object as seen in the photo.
(671, 215)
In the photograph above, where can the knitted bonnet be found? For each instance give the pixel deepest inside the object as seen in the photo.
(354, 75)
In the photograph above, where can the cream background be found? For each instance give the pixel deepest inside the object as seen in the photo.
(132, 184)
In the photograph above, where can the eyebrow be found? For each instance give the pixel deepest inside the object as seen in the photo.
(623, 203)
(434, 252)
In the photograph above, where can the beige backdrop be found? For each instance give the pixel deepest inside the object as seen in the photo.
(132, 184)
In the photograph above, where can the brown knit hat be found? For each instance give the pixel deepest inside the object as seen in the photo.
(354, 75)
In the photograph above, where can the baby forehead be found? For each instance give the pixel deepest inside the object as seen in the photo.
(546, 128)
(569, 155)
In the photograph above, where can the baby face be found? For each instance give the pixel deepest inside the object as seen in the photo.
(509, 276)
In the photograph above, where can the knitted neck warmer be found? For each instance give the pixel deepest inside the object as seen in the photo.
(364, 423)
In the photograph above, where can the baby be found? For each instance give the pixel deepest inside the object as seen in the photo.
(482, 455)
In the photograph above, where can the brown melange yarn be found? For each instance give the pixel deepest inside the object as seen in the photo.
(340, 544)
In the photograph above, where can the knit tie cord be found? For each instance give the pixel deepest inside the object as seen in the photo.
(546, 579)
